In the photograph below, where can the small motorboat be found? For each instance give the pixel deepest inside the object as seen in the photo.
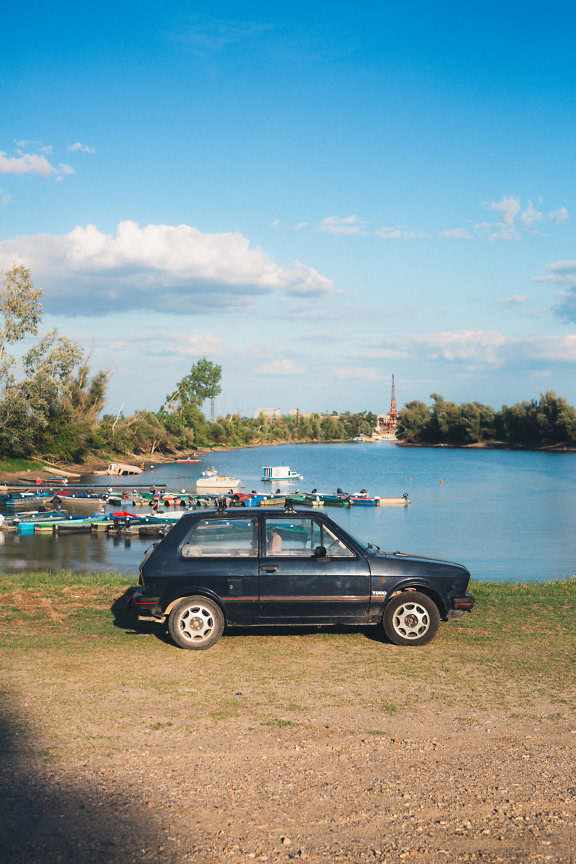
(280, 472)
(219, 481)
(210, 472)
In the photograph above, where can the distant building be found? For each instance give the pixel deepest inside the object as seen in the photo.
(269, 413)
(387, 423)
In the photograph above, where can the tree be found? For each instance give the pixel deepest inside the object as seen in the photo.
(202, 382)
(20, 311)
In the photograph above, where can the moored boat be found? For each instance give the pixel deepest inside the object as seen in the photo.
(220, 481)
(279, 472)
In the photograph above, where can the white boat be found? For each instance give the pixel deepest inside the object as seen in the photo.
(210, 472)
(220, 481)
(280, 472)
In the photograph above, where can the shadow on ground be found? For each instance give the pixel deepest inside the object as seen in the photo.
(45, 816)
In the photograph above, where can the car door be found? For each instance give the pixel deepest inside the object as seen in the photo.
(221, 555)
(296, 586)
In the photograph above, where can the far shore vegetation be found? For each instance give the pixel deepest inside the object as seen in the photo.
(51, 407)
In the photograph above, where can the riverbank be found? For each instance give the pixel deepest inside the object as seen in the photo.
(325, 745)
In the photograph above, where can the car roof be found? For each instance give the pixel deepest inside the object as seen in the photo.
(249, 512)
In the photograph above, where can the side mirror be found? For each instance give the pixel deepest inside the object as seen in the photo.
(320, 552)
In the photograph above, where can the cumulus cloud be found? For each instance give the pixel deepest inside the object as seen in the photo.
(77, 147)
(530, 215)
(400, 232)
(558, 216)
(170, 342)
(281, 367)
(26, 163)
(508, 207)
(163, 267)
(456, 234)
(341, 225)
(481, 348)
(562, 274)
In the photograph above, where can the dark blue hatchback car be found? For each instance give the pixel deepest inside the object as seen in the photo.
(219, 568)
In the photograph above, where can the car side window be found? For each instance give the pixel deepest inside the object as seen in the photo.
(299, 537)
(295, 537)
(222, 538)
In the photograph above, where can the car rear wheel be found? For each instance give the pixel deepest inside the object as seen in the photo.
(411, 618)
(196, 623)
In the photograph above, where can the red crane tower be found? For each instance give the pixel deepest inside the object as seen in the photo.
(393, 413)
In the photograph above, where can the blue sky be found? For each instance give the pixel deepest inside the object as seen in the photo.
(315, 198)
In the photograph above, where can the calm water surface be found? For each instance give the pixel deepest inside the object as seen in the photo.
(505, 515)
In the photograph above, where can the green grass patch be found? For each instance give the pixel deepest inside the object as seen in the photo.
(14, 466)
(59, 579)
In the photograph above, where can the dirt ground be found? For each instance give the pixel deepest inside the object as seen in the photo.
(273, 746)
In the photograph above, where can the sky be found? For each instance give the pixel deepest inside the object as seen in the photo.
(315, 196)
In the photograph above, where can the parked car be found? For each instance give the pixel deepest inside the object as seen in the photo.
(218, 568)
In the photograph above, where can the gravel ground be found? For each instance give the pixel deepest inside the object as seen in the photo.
(121, 748)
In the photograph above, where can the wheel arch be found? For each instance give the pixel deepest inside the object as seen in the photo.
(196, 592)
(423, 588)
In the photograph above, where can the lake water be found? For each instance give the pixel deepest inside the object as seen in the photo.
(506, 515)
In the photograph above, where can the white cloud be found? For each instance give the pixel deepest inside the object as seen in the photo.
(26, 163)
(400, 232)
(163, 267)
(281, 367)
(80, 148)
(300, 225)
(364, 373)
(4, 198)
(508, 207)
(515, 300)
(341, 225)
(562, 266)
(65, 169)
(456, 234)
(481, 348)
(563, 274)
(530, 215)
(275, 223)
(558, 216)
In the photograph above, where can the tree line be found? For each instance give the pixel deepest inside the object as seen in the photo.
(547, 422)
(51, 404)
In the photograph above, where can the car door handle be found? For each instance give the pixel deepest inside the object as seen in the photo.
(271, 568)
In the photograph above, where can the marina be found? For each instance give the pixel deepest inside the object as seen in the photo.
(506, 514)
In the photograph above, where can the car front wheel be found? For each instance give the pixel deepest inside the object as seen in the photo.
(411, 618)
(196, 623)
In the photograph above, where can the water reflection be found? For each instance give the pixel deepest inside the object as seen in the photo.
(505, 514)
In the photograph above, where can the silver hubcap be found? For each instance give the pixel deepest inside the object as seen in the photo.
(196, 623)
(411, 620)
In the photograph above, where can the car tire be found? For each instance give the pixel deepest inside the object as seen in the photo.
(411, 618)
(196, 623)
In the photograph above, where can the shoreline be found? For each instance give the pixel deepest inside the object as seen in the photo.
(163, 458)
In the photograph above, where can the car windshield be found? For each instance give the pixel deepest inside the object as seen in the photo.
(366, 547)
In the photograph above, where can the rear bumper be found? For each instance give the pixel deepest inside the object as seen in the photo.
(146, 606)
(460, 605)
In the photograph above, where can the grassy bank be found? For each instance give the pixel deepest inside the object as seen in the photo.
(520, 641)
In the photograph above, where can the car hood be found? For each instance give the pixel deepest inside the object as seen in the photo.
(380, 562)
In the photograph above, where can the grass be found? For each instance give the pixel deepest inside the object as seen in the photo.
(82, 667)
(14, 466)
